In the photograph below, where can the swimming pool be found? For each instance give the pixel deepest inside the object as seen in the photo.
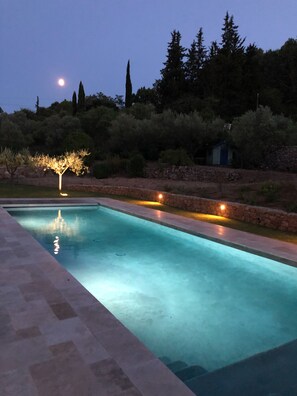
(185, 297)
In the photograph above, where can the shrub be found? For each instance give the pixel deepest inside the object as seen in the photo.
(116, 164)
(177, 157)
(101, 170)
(270, 191)
(109, 167)
(136, 166)
(292, 207)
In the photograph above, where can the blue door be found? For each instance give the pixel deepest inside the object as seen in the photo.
(224, 156)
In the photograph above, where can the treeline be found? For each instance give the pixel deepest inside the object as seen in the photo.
(228, 78)
(109, 131)
(229, 92)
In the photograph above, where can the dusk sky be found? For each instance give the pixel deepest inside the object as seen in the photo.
(92, 40)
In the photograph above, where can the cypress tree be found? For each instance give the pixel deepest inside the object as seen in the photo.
(37, 105)
(81, 103)
(128, 96)
(74, 104)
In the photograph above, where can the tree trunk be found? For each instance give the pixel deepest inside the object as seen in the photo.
(60, 182)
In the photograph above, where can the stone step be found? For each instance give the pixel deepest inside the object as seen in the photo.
(190, 372)
(268, 373)
(177, 366)
(165, 359)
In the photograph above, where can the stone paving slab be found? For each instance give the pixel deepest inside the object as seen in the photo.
(57, 339)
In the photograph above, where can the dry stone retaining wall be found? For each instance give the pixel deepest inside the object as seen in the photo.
(193, 173)
(215, 174)
(271, 218)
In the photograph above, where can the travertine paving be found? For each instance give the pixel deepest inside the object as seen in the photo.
(57, 339)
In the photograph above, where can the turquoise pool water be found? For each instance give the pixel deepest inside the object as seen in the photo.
(184, 297)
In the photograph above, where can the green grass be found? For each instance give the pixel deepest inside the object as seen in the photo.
(8, 190)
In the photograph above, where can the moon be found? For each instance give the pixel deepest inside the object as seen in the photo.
(61, 82)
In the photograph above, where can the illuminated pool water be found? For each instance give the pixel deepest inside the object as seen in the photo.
(184, 297)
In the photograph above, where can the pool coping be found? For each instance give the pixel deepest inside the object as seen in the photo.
(107, 343)
(274, 249)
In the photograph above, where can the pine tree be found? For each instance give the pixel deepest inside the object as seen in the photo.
(225, 71)
(74, 104)
(213, 49)
(191, 64)
(81, 103)
(252, 80)
(197, 56)
(128, 96)
(231, 43)
(172, 84)
(201, 49)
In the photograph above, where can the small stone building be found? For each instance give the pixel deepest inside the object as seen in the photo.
(220, 154)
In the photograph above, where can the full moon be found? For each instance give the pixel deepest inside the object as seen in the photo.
(61, 82)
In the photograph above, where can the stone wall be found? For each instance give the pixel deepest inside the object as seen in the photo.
(284, 159)
(213, 174)
(193, 173)
(266, 217)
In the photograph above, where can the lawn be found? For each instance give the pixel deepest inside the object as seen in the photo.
(8, 190)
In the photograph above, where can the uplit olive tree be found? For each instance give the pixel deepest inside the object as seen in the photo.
(73, 161)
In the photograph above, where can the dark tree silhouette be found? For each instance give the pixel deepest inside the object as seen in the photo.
(81, 103)
(172, 84)
(128, 95)
(74, 104)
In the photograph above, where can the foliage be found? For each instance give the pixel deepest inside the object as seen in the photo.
(100, 99)
(257, 134)
(292, 207)
(55, 129)
(136, 166)
(141, 111)
(73, 161)
(81, 101)
(77, 140)
(74, 104)
(270, 190)
(161, 132)
(177, 157)
(172, 83)
(109, 167)
(96, 122)
(11, 135)
(128, 95)
(196, 58)
(147, 96)
(101, 170)
(13, 160)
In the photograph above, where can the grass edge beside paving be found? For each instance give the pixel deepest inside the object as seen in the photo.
(8, 190)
